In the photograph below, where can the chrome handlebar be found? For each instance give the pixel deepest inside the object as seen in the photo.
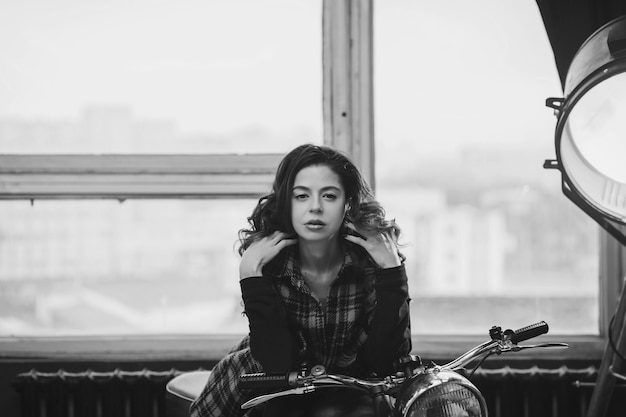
(301, 383)
(502, 342)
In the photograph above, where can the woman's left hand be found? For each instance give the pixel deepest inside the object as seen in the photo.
(381, 247)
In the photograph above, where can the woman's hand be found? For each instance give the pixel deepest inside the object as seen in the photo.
(381, 247)
(259, 253)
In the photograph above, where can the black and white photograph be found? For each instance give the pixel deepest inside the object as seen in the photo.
(312, 208)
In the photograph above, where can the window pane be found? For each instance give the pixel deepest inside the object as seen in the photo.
(186, 76)
(104, 267)
(491, 239)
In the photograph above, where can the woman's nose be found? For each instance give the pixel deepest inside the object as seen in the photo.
(316, 206)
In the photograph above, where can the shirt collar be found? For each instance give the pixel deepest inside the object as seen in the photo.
(287, 264)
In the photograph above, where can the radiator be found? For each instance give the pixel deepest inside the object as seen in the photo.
(93, 394)
(535, 391)
(509, 392)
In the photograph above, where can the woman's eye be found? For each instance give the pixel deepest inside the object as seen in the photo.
(330, 196)
(300, 196)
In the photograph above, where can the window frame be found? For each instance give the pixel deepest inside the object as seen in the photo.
(121, 177)
(348, 125)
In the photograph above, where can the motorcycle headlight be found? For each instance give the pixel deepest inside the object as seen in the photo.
(440, 393)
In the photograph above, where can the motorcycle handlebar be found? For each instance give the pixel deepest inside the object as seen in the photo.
(529, 332)
(268, 381)
(289, 380)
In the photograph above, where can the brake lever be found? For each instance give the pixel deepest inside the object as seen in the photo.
(263, 398)
(516, 348)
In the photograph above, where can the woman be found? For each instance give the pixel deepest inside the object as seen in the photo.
(322, 283)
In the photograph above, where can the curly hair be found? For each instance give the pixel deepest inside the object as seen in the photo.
(273, 211)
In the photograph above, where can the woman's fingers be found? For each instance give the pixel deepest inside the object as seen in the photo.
(286, 242)
(278, 236)
(355, 236)
(276, 242)
(262, 251)
(381, 247)
(352, 231)
(282, 238)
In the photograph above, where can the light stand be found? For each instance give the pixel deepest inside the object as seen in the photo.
(590, 144)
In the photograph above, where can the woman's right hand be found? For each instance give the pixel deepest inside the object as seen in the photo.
(259, 253)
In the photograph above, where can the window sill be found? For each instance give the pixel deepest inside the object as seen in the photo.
(216, 346)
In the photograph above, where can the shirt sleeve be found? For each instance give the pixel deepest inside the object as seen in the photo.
(389, 337)
(272, 343)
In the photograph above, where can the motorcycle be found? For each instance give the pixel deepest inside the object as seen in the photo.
(416, 390)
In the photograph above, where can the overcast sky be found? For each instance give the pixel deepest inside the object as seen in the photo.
(478, 68)
(165, 59)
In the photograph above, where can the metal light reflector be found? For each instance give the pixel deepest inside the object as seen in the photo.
(590, 134)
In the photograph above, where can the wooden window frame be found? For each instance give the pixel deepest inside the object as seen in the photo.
(348, 126)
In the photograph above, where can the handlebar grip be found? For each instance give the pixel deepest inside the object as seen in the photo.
(529, 332)
(267, 381)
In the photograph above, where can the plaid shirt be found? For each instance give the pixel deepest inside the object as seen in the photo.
(362, 329)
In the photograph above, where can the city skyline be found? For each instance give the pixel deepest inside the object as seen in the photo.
(461, 134)
(492, 235)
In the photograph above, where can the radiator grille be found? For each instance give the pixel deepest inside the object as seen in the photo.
(535, 391)
(93, 394)
(509, 392)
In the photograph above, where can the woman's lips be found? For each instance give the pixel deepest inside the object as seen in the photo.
(314, 225)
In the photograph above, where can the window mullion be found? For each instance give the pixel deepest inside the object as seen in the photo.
(348, 81)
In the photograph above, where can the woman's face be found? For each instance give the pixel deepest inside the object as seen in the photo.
(318, 203)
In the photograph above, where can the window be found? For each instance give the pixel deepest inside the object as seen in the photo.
(94, 267)
(127, 167)
(460, 109)
(173, 77)
(135, 139)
